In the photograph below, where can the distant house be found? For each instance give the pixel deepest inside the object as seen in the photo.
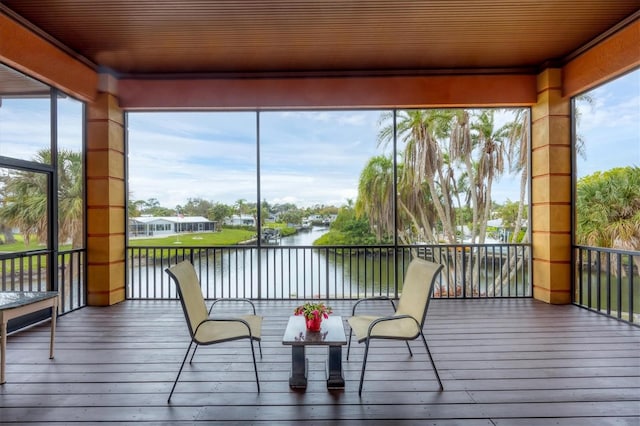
(148, 226)
(240, 220)
(318, 219)
(315, 218)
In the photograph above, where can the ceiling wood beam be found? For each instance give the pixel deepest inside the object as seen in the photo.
(339, 92)
(32, 55)
(612, 57)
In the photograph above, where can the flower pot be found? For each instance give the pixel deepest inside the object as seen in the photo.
(314, 324)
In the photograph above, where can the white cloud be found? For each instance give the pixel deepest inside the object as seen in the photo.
(610, 126)
(306, 157)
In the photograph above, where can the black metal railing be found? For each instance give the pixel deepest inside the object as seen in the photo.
(28, 271)
(607, 281)
(72, 284)
(331, 272)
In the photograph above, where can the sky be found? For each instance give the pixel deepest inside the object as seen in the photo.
(315, 157)
(306, 157)
(610, 126)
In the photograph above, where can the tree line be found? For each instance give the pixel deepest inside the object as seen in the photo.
(439, 183)
(217, 211)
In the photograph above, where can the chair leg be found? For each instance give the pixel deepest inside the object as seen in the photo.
(260, 347)
(364, 364)
(193, 354)
(255, 366)
(179, 372)
(435, 370)
(409, 347)
(349, 345)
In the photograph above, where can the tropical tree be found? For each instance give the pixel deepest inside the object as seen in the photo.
(196, 207)
(518, 142)
(375, 200)
(219, 212)
(242, 207)
(348, 229)
(444, 157)
(25, 204)
(608, 210)
(510, 213)
(423, 184)
(135, 207)
(293, 216)
(5, 228)
(489, 143)
(152, 207)
(70, 198)
(25, 199)
(7, 232)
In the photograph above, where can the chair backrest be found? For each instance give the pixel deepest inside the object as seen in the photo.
(188, 285)
(417, 288)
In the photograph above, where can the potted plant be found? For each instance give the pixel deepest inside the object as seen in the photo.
(313, 313)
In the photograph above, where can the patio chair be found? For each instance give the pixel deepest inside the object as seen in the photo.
(407, 321)
(207, 330)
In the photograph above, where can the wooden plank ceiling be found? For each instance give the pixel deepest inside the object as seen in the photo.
(321, 37)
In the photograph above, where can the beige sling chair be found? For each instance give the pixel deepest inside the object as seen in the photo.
(206, 330)
(407, 322)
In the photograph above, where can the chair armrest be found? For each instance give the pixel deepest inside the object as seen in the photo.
(369, 299)
(233, 299)
(389, 318)
(223, 319)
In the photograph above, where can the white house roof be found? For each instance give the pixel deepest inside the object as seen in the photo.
(171, 219)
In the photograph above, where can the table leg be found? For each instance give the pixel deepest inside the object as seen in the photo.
(298, 379)
(54, 314)
(335, 380)
(3, 347)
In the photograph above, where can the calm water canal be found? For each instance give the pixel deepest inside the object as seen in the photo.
(294, 269)
(291, 269)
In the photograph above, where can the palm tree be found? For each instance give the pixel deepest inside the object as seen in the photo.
(5, 228)
(518, 149)
(241, 206)
(608, 209)
(490, 142)
(444, 154)
(70, 198)
(422, 164)
(461, 149)
(25, 204)
(375, 195)
(26, 199)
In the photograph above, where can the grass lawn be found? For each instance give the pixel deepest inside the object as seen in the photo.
(20, 246)
(226, 237)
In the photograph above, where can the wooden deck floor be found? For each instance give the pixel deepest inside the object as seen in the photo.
(503, 362)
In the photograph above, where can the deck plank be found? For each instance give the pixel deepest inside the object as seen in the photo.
(503, 362)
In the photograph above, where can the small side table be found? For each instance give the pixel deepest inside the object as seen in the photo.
(298, 337)
(14, 304)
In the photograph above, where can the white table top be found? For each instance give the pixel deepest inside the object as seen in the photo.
(15, 299)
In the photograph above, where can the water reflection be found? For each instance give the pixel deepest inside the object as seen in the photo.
(296, 269)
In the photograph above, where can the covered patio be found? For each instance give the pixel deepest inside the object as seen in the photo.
(502, 362)
(526, 361)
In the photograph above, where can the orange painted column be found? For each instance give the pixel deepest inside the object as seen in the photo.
(551, 190)
(106, 200)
